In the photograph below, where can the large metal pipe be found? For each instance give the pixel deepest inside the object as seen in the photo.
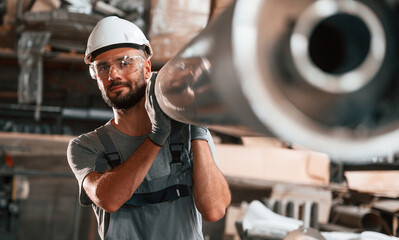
(356, 217)
(318, 73)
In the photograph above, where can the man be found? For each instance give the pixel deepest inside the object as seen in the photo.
(167, 177)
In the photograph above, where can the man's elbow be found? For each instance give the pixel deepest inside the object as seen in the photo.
(110, 208)
(214, 215)
(216, 212)
(106, 203)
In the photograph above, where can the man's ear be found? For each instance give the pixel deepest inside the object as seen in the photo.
(147, 67)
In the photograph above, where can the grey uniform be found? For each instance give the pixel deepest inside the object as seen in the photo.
(178, 219)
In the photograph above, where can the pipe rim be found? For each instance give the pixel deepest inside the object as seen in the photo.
(337, 83)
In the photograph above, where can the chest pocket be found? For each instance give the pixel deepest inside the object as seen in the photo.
(168, 188)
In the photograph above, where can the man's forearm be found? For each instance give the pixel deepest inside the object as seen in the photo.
(113, 188)
(211, 191)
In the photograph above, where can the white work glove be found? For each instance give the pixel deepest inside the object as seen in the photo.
(198, 132)
(161, 126)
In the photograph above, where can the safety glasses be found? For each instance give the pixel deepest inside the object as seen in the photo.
(122, 64)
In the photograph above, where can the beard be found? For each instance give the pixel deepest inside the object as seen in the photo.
(130, 99)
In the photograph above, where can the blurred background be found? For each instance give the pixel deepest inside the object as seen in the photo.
(301, 98)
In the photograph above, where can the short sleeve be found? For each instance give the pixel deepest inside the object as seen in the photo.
(81, 159)
(211, 146)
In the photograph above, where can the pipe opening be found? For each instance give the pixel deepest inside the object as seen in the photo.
(339, 43)
(371, 222)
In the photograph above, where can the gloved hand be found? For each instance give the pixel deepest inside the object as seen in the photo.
(161, 126)
(198, 132)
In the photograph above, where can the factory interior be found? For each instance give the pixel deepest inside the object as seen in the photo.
(301, 99)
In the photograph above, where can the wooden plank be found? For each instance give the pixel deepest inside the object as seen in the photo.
(34, 145)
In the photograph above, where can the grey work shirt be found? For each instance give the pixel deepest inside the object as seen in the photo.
(179, 219)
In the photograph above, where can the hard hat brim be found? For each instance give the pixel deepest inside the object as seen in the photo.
(90, 58)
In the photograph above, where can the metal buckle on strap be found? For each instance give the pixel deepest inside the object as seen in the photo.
(176, 150)
(113, 158)
(100, 166)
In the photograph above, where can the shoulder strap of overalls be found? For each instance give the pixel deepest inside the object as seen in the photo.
(176, 143)
(110, 154)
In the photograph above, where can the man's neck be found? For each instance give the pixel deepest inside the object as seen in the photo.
(134, 121)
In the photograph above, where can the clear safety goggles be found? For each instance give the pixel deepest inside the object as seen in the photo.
(123, 64)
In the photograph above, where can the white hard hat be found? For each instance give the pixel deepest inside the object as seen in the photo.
(114, 32)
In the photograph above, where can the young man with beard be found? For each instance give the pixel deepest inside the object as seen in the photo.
(145, 175)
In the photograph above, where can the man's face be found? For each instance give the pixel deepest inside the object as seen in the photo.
(121, 76)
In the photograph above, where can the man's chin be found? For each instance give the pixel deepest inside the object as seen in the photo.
(124, 100)
(123, 104)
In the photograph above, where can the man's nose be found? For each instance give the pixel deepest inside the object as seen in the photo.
(113, 73)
